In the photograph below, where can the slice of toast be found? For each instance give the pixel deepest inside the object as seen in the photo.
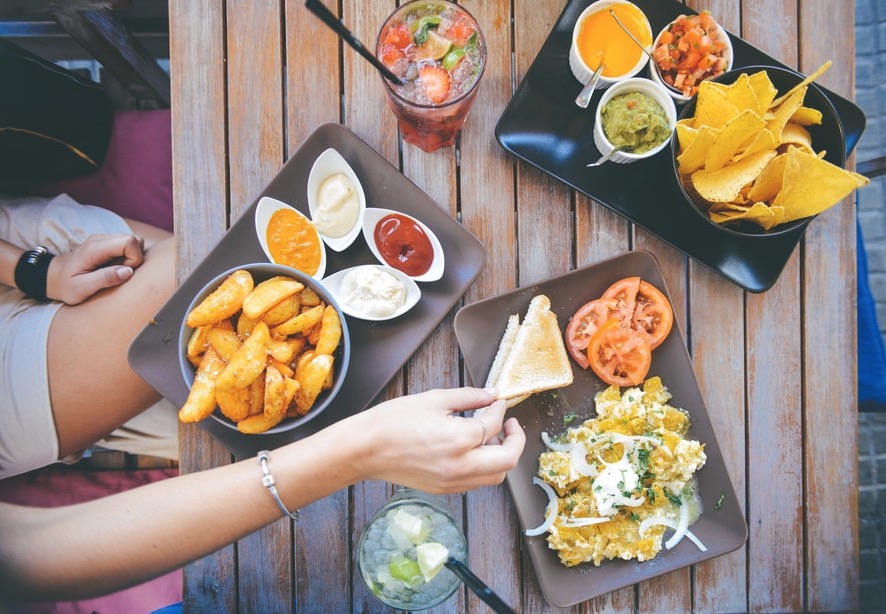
(504, 349)
(537, 359)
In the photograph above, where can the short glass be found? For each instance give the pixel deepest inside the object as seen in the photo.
(438, 48)
(387, 548)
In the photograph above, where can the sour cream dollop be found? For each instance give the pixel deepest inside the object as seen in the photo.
(371, 291)
(337, 206)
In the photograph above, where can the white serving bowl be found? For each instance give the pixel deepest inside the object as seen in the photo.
(655, 74)
(266, 207)
(578, 66)
(373, 216)
(327, 164)
(333, 284)
(655, 91)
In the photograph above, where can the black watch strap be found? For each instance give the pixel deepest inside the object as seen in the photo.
(31, 270)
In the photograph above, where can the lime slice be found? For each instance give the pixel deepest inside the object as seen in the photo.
(431, 557)
(405, 569)
(453, 57)
(434, 48)
(407, 529)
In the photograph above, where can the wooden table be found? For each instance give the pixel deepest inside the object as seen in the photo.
(252, 78)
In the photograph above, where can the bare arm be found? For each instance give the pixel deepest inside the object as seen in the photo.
(107, 544)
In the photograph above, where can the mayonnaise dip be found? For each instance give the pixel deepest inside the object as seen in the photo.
(371, 291)
(337, 206)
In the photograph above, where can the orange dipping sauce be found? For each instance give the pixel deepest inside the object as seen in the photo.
(601, 37)
(293, 241)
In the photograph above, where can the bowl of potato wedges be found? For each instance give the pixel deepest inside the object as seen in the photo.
(264, 348)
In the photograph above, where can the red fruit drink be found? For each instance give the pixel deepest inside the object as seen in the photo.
(439, 51)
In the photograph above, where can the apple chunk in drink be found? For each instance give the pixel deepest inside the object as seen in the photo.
(438, 50)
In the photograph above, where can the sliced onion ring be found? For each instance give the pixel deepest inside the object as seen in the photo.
(550, 512)
(583, 522)
(578, 461)
(552, 445)
(648, 522)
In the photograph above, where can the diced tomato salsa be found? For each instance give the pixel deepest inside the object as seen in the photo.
(689, 51)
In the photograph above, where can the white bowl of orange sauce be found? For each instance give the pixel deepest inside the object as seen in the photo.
(597, 36)
(288, 237)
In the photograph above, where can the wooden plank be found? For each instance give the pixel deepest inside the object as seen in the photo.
(774, 331)
(200, 198)
(829, 280)
(255, 134)
(312, 97)
(716, 342)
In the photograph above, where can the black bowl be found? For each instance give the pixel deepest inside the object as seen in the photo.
(828, 136)
(260, 272)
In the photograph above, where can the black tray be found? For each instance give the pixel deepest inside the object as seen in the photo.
(543, 126)
(378, 349)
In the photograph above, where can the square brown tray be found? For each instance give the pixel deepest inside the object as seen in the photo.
(378, 349)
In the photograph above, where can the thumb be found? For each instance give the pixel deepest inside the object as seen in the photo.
(106, 277)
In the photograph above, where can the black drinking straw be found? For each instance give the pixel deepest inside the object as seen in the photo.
(320, 10)
(476, 585)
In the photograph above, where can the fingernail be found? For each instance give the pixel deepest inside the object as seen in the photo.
(124, 272)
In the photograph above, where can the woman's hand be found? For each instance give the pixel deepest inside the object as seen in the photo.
(101, 261)
(423, 440)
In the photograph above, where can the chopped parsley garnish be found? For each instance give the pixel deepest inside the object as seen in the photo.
(675, 499)
(569, 418)
(720, 501)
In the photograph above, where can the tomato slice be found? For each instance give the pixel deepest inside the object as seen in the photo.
(625, 292)
(584, 324)
(653, 316)
(619, 356)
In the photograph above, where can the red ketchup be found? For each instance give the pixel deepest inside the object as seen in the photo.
(403, 244)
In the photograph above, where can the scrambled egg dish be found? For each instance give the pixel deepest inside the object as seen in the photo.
(622, 478)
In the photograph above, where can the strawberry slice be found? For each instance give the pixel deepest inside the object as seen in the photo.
(436, 82)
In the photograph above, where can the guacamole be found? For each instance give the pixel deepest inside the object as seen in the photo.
(635, 121)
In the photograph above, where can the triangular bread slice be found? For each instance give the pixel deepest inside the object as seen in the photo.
(504, 349)
(537, 360)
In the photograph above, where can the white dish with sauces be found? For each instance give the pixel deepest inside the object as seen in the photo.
(350, 288)
(371, 218)
(265, 209)
(335, 195)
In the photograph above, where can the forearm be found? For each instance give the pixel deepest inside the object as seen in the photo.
(94, 548)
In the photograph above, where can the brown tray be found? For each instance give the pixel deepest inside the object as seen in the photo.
(721, 527)
(378, 349)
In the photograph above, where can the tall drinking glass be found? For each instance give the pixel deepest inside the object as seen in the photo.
(438, 49)
(402, 550)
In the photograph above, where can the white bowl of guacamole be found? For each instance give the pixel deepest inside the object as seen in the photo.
(637, 115)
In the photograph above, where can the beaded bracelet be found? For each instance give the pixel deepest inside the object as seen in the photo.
(268, 482)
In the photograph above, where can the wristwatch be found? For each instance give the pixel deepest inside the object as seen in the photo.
(31, 270)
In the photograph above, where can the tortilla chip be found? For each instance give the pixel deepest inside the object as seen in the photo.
(737, 131)
(806, 116)
(725, 184)
(783, 113)
(811, 185)
(768, 184)
(693, 157)
(741, 93)
(712, 107)
(758, 213)
(802, 84)
(763, 141)
(685, 135)
(763, 88)
(795, 134)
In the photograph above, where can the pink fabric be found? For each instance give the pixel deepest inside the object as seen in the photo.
(59, 485)
(135, 179)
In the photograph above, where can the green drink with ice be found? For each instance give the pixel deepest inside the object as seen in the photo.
(403, 550)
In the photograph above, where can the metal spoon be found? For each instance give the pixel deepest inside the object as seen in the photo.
(629, 33)
(609, 155)
(584, 97)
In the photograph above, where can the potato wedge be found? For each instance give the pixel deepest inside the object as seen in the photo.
(233, 402)
(268, 293)
(256, 396)
(281, 350)
(275, 394)
(201, 399)
(259, 423)
(198, 341)
(309, 298)
(224, 302)
(330, 331)
(224, 341)
(282, 311)
(249, 361)
(300, 323)
(310, 379)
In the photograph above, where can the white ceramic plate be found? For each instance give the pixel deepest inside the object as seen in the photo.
(373, 215)
(263, 212)
(327, 164)
(334, 281)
